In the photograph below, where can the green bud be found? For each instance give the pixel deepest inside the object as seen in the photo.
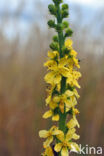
(65, 50)
(51, 24)
(68, 33)
(55, 38)
(65, 7)
(52, 9)
(54, 46)
(65, 24)
(59, 27)
(65, 13)
(58, 1)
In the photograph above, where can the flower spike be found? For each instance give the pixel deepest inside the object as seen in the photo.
(62, 78)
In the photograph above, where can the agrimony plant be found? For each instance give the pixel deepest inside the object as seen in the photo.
(62, 78)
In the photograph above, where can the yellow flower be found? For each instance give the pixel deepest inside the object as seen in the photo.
(48, 152)
(67, 99)
(53, 54)
(75, 111)
(66, 144)
(49, 135)
(57, 71)
(50, 113)
(73, 53)
(68, 44)
(73, 81)
(73, 123)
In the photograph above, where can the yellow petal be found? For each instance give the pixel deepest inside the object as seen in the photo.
(76, 93)
(57, 78)
(48, 152)
(65, 72)
(64, 152)
(68, 43)
(70, 134)
(73, 53)
(56, 99)
(48, 99)
(52, 105)
(55, 118)
(75, 82)
(69, 93)
(58, 147)
(73, 123)
(43, 134)
(63, 62)
(56, 132)
(50, 63)
(48, 142)
(75, 111)
(49, 78)
(61, 137)
(53, 54)
(69, 103)
(75, 147)
(47, 114)
(75, 136)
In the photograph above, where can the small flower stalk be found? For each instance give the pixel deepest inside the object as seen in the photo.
(62, 79)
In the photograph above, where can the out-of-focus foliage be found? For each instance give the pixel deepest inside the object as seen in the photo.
(22, 88)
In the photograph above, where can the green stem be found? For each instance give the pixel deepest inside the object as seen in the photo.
(60, 34)
(62, 120)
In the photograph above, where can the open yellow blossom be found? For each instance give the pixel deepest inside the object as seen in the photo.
(53, 54)
(73, 81)
(50, 113)
(49, 135)
(66, 99)
(57, 71)
(66, 144)
(48, 152)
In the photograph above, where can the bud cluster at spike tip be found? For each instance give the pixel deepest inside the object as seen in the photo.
(62, 77)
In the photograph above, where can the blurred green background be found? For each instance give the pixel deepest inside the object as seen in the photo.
(24, 42)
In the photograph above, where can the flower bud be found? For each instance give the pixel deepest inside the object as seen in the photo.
(57, 1)
(65, 13)
(51, 24)
(54, 46)
(59, 27)
(65, 6)
(55, 38)
(68, 33)
(52, 9)
(65, 24)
